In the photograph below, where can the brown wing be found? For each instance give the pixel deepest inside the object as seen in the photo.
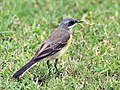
(52, 45)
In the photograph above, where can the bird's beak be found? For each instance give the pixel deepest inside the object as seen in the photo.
(79, 21)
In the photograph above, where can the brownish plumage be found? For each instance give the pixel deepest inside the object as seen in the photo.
(52, 48)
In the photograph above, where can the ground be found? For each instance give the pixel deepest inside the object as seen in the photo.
(92, 61)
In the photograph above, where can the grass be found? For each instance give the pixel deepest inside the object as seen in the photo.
(92, 61)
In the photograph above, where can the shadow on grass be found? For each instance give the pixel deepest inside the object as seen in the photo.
(41, 80)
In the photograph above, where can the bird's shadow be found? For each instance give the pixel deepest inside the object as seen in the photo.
(41, 80)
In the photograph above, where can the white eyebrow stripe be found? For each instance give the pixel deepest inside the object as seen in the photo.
(66, 21)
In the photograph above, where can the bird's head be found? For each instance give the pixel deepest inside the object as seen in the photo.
(68, 23)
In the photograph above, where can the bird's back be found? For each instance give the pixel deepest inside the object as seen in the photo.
(58, 36)
(55, 42)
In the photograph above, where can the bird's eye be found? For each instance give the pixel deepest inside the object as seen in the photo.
(71, 23)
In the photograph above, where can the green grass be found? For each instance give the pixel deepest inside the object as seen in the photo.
(92, 61)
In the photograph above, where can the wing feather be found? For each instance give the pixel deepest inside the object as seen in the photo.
(55, 46)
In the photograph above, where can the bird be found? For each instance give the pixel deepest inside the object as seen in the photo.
(53, 47)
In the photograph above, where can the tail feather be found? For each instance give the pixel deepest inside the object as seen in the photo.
(34, 60)
(23, 69)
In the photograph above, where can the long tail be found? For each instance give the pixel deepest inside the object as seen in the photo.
(38, 57)
(23, 69)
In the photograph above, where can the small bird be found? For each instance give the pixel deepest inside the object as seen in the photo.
(52, 48)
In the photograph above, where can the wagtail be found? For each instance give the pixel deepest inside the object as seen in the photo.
(52, 48)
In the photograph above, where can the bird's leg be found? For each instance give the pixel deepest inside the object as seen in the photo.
(48, 64)
(55, 65)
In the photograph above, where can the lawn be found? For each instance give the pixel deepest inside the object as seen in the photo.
(93, 59)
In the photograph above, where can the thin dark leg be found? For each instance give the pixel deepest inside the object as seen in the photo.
(48, 64)
(55, 65)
